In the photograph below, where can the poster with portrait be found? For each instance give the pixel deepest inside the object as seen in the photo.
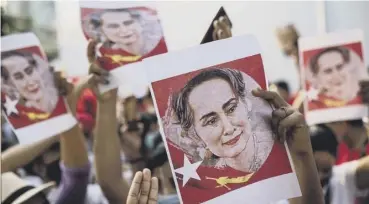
(331, 68)
(29, 98)
(217, 134)
(127, 32)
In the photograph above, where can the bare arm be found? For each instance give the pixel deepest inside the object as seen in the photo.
(362, 174)
(307, 175)
(73, 148)
(107, 153)
(20, 155)
(290, 126)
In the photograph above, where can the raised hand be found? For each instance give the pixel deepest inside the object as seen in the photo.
(98, 74)
(144, 189)
(222, 28)
(288, 123)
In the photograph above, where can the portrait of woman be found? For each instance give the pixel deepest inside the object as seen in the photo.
(26, 77)
(134, 30)
(333, 74)
(215, 111)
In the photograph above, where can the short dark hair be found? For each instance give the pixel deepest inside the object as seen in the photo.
(345, 53)
(323, 139)
(180, 102)
(24, 54)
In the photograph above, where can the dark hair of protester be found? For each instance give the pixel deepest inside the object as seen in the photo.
(341, 50)
(180, 100)
(27, 55)
(283, 85)
(53, 171)
(323, 139)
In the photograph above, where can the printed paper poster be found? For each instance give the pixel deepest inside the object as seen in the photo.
(331, 67)
(29, 97)
(218, 135)
(127, 32)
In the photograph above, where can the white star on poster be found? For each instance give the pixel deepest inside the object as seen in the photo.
(10, 106)
(312, 94)
(188, 170)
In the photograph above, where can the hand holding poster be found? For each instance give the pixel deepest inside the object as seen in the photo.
(218, 135)
(127, 32)
(331, 67)
(29, 97)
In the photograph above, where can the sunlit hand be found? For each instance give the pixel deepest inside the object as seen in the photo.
(288, 124)
(222, 28)
(68, 90)
(99, 75)
(144, 189)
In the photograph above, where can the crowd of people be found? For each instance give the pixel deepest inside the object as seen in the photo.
(116, 153)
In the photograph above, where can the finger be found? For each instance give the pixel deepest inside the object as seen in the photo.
(60, 83)
(226, 20)
(283, 112)
(294, 120)
(91, 51)
(220, 34)
(134, 190)
(153, 196)
(225, 27)
(145, 186)
(215, 36)
(216, 24)
(101, 75)
(277, 116)
(270, 96)
(96, 69)
(84, 83)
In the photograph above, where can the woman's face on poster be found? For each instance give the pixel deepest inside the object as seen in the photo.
(25, 77)
(120, 27)
(333, 75)
(220, 118)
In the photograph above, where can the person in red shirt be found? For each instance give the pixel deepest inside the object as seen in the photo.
(86, 111)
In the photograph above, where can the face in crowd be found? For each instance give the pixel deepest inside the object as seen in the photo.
(121, 27)
(332, 72)
(219, 117)
(22, 71)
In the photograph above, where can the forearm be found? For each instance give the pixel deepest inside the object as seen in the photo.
(307, 174)
(20, 155)
(107, 155)
(73, 148)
